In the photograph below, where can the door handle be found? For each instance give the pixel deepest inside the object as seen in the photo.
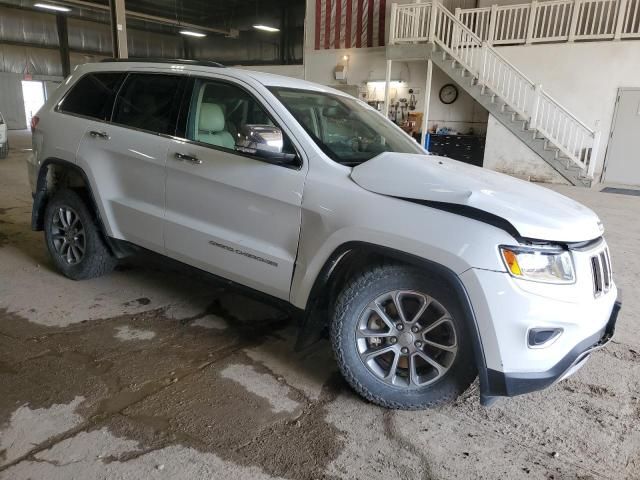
(96, 134)
(188, 158)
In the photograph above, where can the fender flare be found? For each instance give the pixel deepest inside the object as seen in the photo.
(41, 197)
(340, 255)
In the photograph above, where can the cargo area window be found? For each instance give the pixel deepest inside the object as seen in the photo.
(92, 96)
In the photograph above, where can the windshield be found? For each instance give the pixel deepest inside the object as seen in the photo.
(348, 131)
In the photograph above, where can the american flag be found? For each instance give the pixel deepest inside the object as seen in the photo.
(349, 23)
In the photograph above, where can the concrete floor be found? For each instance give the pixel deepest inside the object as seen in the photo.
(156, 372)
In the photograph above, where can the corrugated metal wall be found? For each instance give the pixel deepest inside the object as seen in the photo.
(11, 103)
(29, 44)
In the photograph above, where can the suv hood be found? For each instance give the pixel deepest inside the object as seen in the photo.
(534, 211)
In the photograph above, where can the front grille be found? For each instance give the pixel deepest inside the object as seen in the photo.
(601, 271)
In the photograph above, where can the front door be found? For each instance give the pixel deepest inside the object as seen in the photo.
(228, 212)
(622, 162)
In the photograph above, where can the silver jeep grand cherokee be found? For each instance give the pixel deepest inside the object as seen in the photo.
(428, 272)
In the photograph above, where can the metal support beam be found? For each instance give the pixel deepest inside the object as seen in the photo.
(283, 36)
(387, 86)
(427, 100)
(118, 29)
(63, 42)
(186, 48)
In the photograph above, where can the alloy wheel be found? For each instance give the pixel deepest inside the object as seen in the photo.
(68, 235)
(407, 339)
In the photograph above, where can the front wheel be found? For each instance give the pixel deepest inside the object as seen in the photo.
(399, 339)
(4, 150)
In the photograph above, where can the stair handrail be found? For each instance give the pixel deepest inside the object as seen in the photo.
(554, 20)
(543, 113)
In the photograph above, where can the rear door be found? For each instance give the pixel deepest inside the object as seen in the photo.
(126, 157)
(229, 212)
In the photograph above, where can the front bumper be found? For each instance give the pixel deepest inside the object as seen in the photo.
(517, 383)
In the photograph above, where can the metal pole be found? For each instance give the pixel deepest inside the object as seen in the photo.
(387, 82)
(118, 28)
(427, 100)
(63, 42)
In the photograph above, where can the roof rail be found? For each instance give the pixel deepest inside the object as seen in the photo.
(181, 61)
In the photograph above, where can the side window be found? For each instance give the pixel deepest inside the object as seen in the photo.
(92, 96)
(149, 102)
(219, 111)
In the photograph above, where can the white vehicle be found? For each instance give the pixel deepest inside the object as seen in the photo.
(427, 272)
(4, 138)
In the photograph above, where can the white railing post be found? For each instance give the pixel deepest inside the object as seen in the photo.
(493, 18)
(593, 158)
(622, 9)
(433, 19)
(393, 23)
(427, 100)
(387, 88)
(573, 26)
(483, 70)
(535, 107)
(416, 16)
(532, 22)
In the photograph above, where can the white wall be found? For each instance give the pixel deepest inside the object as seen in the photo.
(369, 64)
(584, 77)
(503, 148)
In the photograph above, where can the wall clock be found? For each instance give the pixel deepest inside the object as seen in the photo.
(448, 94)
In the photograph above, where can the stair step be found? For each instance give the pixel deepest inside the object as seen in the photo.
(511, 119)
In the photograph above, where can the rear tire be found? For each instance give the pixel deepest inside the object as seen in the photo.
(419, 355)
(73, 238)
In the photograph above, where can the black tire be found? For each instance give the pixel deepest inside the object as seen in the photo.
(97, 259)
(350, 305)
(4, 150)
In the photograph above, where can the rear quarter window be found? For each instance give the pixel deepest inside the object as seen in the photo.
(93, 95)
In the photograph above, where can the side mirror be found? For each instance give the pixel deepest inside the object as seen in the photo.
(264, 141)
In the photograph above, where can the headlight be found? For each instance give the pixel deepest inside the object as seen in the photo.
(546, 265)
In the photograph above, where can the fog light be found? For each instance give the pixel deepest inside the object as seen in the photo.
(543, 337)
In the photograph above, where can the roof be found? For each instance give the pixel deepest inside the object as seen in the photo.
(266, 79)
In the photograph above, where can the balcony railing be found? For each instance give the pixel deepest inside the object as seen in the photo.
(554, 21)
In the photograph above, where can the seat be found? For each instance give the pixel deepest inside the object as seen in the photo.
(211, 127)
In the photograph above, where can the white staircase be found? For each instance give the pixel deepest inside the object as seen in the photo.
(548, 128)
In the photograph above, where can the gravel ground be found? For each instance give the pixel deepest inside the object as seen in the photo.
(156, 372)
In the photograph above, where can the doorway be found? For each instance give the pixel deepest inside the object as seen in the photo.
(622, 164)
(34, 97)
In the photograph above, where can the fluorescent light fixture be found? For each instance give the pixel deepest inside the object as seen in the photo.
(56, 8)
(266, 28)
(189, 33)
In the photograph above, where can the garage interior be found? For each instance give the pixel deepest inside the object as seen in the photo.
(159, 371)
